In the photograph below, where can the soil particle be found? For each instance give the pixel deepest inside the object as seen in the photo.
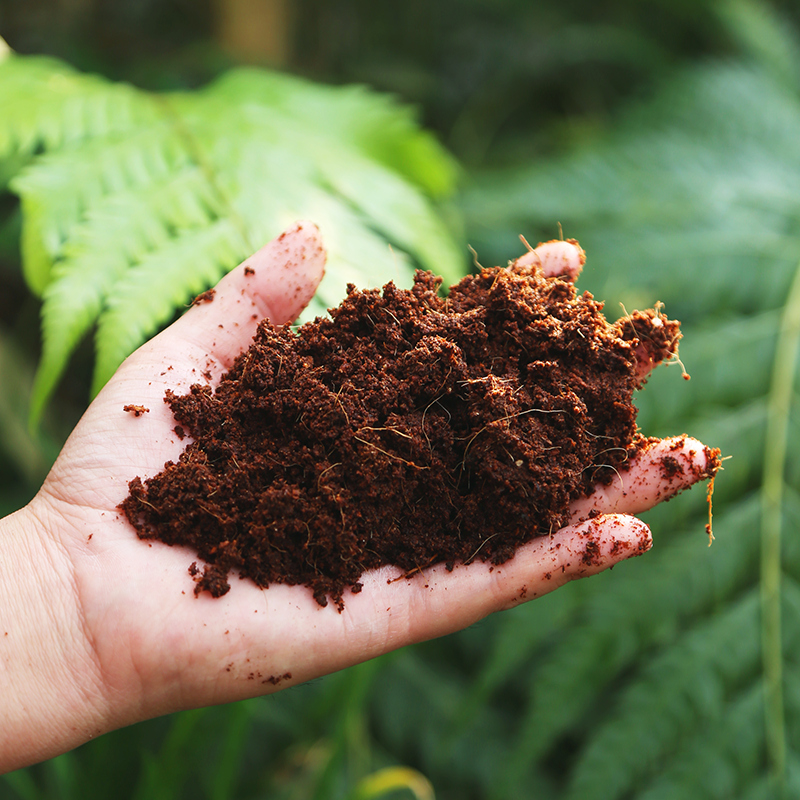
(137, 411)
(655, 338)
(671, 467)
(618, 546)
(403, 430)
(591, 553)
(204, 297)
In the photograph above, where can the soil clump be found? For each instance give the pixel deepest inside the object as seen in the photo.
(407, 429)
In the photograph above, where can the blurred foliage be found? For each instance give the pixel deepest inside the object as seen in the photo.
(672, 154)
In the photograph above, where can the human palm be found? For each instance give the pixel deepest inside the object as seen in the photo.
(139, 643)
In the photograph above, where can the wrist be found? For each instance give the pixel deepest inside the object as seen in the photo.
(52, 698)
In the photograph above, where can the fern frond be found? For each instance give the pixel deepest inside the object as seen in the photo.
(726, 756)
(256, 150)
(396, 209)
(384, 131)
(371, 179)
(59, 189)
(437, 689)
(520, 636)
(100, 250)
(152, 289)
(684, 687)
(48, 105)
(729, 365)
(615, 627)
(720, 759)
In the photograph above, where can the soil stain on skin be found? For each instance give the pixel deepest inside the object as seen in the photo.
(408, 429)
(671, 467)
(276, 679)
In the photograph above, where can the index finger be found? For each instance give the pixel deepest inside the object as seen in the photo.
(275, 283)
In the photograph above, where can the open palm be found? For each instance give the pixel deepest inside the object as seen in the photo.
(118, 616)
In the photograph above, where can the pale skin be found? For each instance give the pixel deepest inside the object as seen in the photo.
(99, 630)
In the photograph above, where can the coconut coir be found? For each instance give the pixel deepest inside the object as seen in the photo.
(408, 429)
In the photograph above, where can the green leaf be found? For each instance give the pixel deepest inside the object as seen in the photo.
(148, 294)
(134, 202)
(101, 249)
(682, 688)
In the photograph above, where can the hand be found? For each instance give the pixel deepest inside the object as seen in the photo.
(99, 629)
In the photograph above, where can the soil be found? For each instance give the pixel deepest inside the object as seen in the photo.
(137, 411)
(407, 429)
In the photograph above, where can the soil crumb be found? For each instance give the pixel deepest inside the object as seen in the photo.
(204, 297)
(407, 429)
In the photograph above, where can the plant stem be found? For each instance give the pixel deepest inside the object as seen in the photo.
(775, 448)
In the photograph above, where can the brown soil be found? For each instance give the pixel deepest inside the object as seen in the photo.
(408, 429)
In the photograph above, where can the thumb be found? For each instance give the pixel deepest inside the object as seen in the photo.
(275, 283)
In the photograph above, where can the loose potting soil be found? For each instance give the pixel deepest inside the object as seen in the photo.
(407, 429)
